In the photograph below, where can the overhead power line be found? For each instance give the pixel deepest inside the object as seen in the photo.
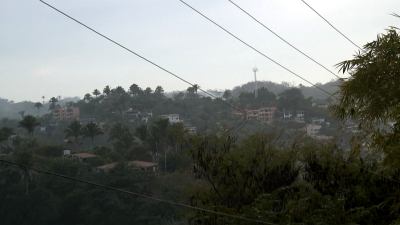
(124, 47)
(283, 39)
(140, 56)
(136, 54)
(255, 49)
(136, 194)
(331, 25)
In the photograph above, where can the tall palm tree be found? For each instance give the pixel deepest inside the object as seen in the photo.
(148, 91)
(159, 91)
(107, 90)
(29, 123)
(74, 130)
(192, 91)
(96, 93)
(38, 105)
(135, 90)
(91, 130)
(87, 98)
(53, 102)
(196, 88)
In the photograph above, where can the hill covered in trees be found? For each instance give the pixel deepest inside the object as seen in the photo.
(126, 162)
(308, 92)
(15, 110)
(12, 110)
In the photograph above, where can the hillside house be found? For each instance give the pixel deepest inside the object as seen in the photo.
(313, 129)
(66, 113)
(265, 114)
(141, 165)
(172, 118)
(144, 166)
(107, 167)
(83, 156)
(297, 116)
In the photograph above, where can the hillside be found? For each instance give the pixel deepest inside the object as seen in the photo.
(11, 110)
(276, 88)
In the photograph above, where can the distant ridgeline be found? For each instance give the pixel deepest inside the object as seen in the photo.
(14, 110)
(275, 88)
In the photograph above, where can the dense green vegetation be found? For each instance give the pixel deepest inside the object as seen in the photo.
(267, 173)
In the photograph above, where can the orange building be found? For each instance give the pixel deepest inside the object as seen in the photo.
(265, 114)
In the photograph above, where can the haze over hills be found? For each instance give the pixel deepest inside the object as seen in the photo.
(11, 110)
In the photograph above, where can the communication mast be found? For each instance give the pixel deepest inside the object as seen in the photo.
(255, 70)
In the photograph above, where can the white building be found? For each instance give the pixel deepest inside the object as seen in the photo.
(172, 118)
(318, 120)
(299, 116)
(287, 115)
(313, 129)
(66, 152)
(191, 129)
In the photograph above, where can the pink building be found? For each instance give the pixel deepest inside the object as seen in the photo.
(66, 113)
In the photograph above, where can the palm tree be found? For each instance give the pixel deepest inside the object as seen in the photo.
(96, 93)
(87, 97)
(74, 130)
(196, 88)
(38, 105)
(29, 123)
(121, 137)
(158, 134)
(135, 90)
(192, 91)
(107, 90)
(148, 91)
(159, 92)
(91, 130)
(53, 102)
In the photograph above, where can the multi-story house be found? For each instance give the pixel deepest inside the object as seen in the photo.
(66, 113)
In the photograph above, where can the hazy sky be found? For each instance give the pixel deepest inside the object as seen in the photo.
(43, 53)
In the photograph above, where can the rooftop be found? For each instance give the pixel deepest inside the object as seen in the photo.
(84, 155)
(142, 164)
(108, 167)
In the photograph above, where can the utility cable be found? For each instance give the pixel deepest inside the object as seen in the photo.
(140, 56)
(283, 39)
(331, 25)
(253, 48)
(115, 189)
(135, 53)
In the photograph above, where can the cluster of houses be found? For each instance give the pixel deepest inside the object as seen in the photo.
(313, 129)
(270, 114)
(135, 115)
(174, 119)
(297, 116)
